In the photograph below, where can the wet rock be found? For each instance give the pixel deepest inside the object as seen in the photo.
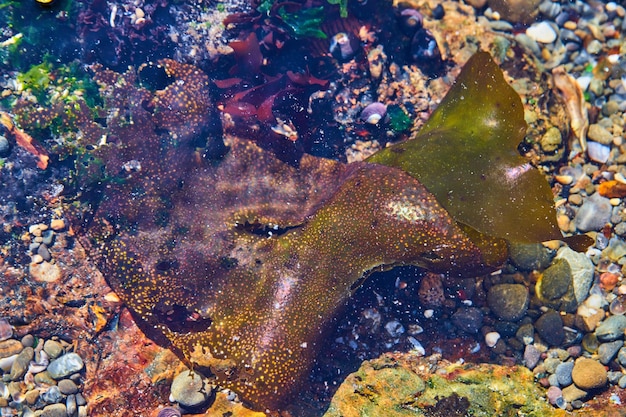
(44, 378)
(70, 404)
(53, 348)
(563, 373)
(598, 152)
(468, 319)
(542, 32)
(10, 347)
(599, 134)
(65, 365)
(621, 356)
(52, 395)
(550, 328)
(608, 351)
(529, 256)
(611, 328)
(593, 214)
(581, 269)
(54, 410)
(555, 287)
(20, 366)
(43, 251)
(67, 386)
(525, 333)
(5, 147)
(573, 393)
(551, 140)
(190, 390)
(615, 250)
(28, 340)
(508, 301)
(531, 356)
(589, 374)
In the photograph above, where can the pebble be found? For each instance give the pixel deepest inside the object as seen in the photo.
(20, 366)
(67, 386)
(65, 365)
(599, 134)
(589, 374)
(10, 347)
(572, 393)
(5, 147)
(563, 373)
(54, 410)
(28, 340)
(43, 251)
(598, 152)
(611, 329)
(53, 348)
(52, 395)
(70, 404)
(593, 214)
(553, 394)
(492, 338)
(508, 301)
(551, 140)
(555, 287)
(57, 225)
(529, 256)
(550, 328)
(542, 32)
(615, 250)
(468, 319)
(525, 333)
(190, 390)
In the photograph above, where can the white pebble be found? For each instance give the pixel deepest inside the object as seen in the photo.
(584, 81)
(492, 338)
(542, 32)
(598, 152)
(428, 313)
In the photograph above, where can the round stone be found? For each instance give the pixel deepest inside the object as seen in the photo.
(5, 147)
(65, 365)
(531, 356)
(468, 319)
(589, 374)
(10, 347)
(542, 32)
(28, 340)
(508, 301)
(67, 386)
(529, 256)
(190, 390)
(563, 373)
(593, 214)
(608, 351)
(611, 329)
(53, 348)
(54, 410)
(550, 328)
(20, 366)
(555, 288)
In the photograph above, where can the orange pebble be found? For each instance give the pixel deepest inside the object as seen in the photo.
(608, 280)
(612, 189)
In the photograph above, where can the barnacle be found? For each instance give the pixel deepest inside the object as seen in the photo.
(238, 265)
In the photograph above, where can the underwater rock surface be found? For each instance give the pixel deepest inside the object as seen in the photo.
(238, 264)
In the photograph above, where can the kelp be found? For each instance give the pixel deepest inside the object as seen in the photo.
(239, 262)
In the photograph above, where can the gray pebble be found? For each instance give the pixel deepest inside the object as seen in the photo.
(599, 134)
(593, 214)
(65, 365)
(611, 329)
(48, 237)
(80, 400)
(564, 373)
(607, 351)
(508, 301)
(555, 287)
(28, 340)
(550, 364)
(582, 270)
(70, 404)
(190, 390)
(67, 386)
(553, 380)
(53, 348)
(621, 356)
(550, 328)
(468, 319)
(550, 9)
(500, 25)
(43, 251)
(622, 382)
(531, 356)
(20, 366)
(530, 256)
(5, 147)
(596, 86)
(528, 43)
(52, 395)
(614, 377)
(609, 108)
(32, 248)
(525, 333)
(54, 410)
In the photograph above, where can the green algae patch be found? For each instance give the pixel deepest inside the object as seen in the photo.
(414, 386)
(466, 155)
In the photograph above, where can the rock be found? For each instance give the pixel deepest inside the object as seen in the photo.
(599, 134)
(57, 224)
(28, 340)
(551, 140)
(43, 251)
(598, 152)
(20, 366)
(621, 356)
(581, 269)
(10, 347)
(555, 287)
(593, 214)
(190, 390)
(67, 386)
(573, 393)
(529, 256)
(550, 328)
(589, 374)
(54, 410)
(70, 404)
(563, 373)
(542, 32)
(468, 319)
(508, 301)
(526, 333)
(44, 378)
(45, 272)
(553, 394)
(52, 395)
(611, 328)
(65, 365)
(531, 356)
(607, 351)
(53, 348)
(615, 250)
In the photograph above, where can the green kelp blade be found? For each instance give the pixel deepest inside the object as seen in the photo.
(466, 155)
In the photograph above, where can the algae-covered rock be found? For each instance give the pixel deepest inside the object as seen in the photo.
(397, 385)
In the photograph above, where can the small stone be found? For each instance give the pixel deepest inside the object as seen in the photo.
(621, 356)
(573, 393)
(44, 378)
(553, 394)
(622, 382)
(550, 328)
(54, 410)
(563, 373)
(70, 404)
(609, 108)
(190, 390)
(28, 340)
(57, 224)
(45, 271)
(555, 287)
(598, 152)
(468, 319)
(53, 348)
(529, 256)
(80, 400)
(589, 374)
(607, 351)
(593, 214)
(526, 333)
(550, 364)
(531, 356)
(508, 301)
(31, 396)
(43, 251)
(20, 366)
(551, 140)
(67, 386)
(82, 411)
(492, 338)
(594, 47)
(615, 250)
(10, 347)
(52, 395)
(542, 32)
(611, 328)
(65, 365)
(47, 238)
(5, 147)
